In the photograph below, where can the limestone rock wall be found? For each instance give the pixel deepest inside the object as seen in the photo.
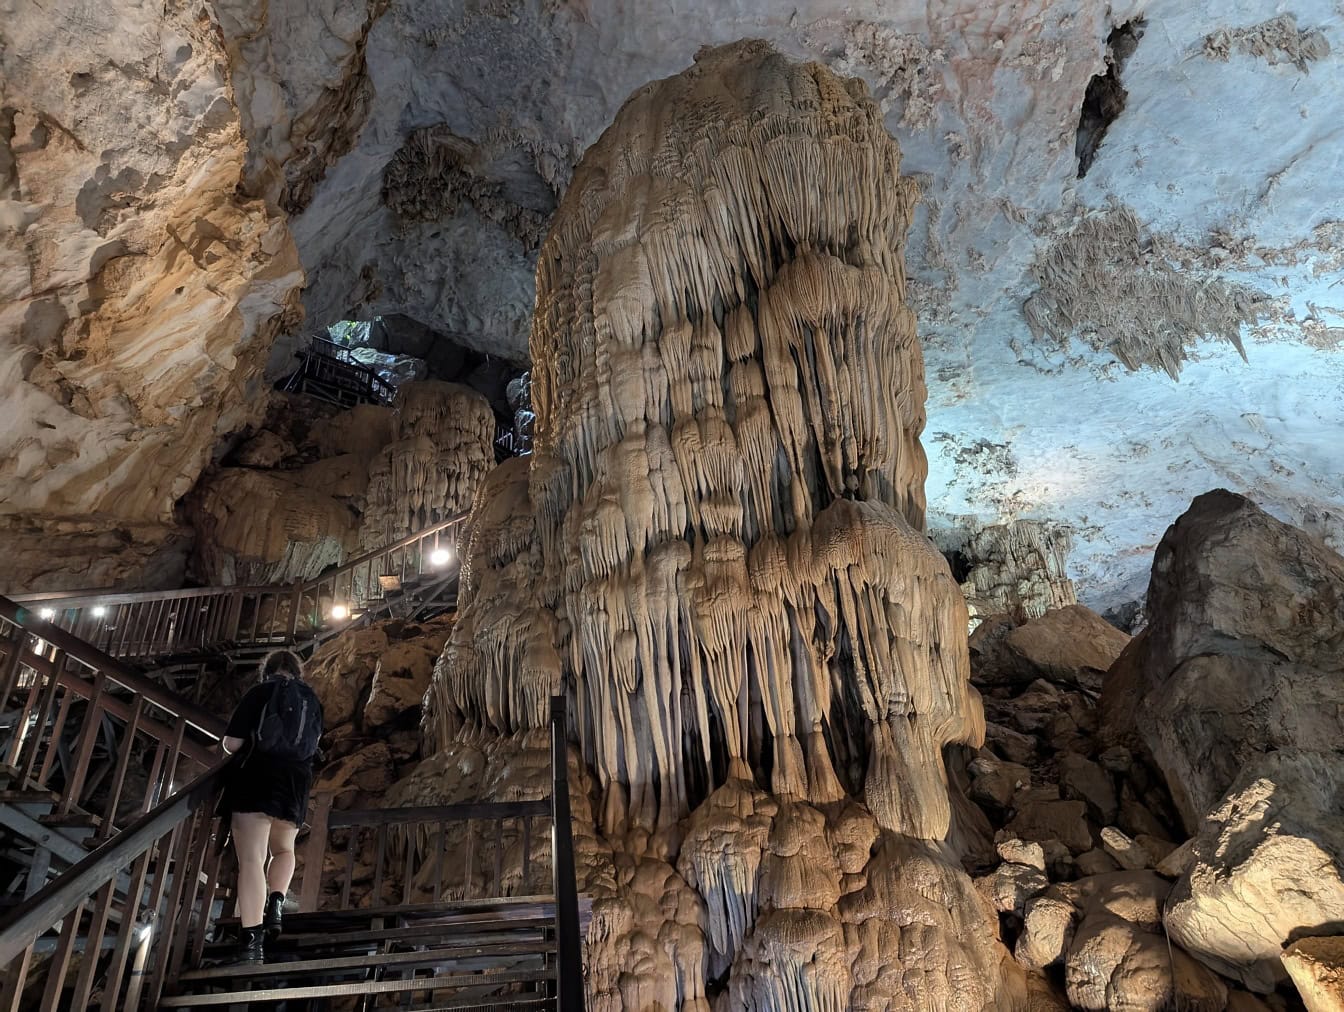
(139, 289)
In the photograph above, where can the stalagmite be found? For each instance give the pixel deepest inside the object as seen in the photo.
(717, 550)
(429, 472)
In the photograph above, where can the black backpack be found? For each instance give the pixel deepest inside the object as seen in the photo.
(291, 721)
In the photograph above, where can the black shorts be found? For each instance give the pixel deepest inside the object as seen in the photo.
(275, 787)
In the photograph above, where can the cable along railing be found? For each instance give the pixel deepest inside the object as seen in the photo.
(129, 926)
(146, 625)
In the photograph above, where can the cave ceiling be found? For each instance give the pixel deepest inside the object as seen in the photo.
(1100, 346)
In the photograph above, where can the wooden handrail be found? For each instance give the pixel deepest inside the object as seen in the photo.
(439, 813)
(351, 564)
(160, 623)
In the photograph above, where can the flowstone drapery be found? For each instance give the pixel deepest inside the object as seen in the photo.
(716, 549)
(728, 481)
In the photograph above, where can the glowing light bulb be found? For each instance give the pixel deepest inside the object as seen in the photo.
(339, 612)
(440, 557)
(47, 614)
(99, 611)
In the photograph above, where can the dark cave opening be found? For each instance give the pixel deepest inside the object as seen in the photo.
(1106, 96)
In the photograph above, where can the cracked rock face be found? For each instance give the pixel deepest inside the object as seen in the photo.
(140, 289)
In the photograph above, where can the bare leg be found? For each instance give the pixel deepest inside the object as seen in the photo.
(251, 832)
(281, 869)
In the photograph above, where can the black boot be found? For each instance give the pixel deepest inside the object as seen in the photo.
(275, 908)
(251, 947)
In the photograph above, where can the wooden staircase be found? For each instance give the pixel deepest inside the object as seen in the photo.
(329, 372)
(498, 953)
(124, 886)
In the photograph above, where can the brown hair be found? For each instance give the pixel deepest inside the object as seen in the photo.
(281, 664)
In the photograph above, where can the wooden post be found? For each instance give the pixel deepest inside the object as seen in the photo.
(315, 853)
(568, 945)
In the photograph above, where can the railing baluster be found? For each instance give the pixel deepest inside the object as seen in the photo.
(16, 977)
(169, 846)
(378, 866)
(438, 871)
(20, 734)
(351, 846)
(48, 698)
(215, 841)
(151, 789)
(93, 719)
(54, 739)
(131, 923)
(123, 762)
(406, 872)
(499, 858)
(315, 853)
(523, 888)
(93, 944)
(471, 855)
(13, 663)
(59, 963)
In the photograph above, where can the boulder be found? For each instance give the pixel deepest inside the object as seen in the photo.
(402, 675)
(265, 449)
(1047, 929)
(1127, 853)
(1266, 867)
(1243, 654)
(1118, 958)
(1042, 820)
(361, 779)
(342, 669)
(1070, 646)
(994, 783)
(1084, 780)
(1317, 968)
(1021, 852)
(1113, 964)
(1014, 884)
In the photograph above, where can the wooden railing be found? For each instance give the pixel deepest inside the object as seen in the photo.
(156, 933)
(133, 936)
(75, 718)
(156, 624)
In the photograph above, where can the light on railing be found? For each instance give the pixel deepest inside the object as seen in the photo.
(47, 614)
(339, 612)
(440, 557)
(99, 611)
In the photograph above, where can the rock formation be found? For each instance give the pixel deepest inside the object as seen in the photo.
(444, 445)
(1237, 688)
(1015, 569)
(140, 286)
(716, 548)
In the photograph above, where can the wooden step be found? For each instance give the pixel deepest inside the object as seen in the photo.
(439, 982)
(463, 933)
(443, 912)
(513, 951)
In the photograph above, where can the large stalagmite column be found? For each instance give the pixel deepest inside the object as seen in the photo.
(727, 481)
